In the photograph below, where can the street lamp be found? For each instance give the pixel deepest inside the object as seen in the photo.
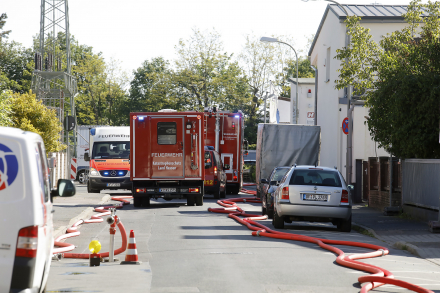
(349, 164)
(275, 40)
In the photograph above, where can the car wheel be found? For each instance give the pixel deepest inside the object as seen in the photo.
(199, 200)
(263, 207)
(269, 210)
(90, 189)
(81, 177)
(217, 193)
(277, 221)
(344, 225)
(190, 200)
(137, 201)
(223, 194)
(146, 202)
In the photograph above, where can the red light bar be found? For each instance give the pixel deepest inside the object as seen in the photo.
(193, 190)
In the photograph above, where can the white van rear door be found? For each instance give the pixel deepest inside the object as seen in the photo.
(12, 194)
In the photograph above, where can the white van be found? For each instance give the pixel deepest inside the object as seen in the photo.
(109, 158)
(26, 227)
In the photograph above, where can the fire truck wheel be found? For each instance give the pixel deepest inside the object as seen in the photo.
(190, 200)
(137, 201)
(235, 189)
(217, 193)
(199, 200)
(146, 202)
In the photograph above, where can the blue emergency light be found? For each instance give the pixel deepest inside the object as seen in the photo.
(106, 173)
(93, 131)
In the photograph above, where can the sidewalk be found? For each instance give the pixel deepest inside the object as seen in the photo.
(398, 232)
(68, 210)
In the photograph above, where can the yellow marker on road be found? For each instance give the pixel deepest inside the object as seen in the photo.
(95, 246)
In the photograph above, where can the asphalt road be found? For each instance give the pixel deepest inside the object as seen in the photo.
(188, 249)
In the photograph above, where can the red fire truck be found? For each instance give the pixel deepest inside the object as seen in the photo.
(167, 156)
(225, 131)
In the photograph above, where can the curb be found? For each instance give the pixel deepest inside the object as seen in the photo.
(369, 230)
(406, 246)
(402, 245)
(85, 214)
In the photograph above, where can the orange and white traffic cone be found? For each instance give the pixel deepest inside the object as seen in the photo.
(131, 258)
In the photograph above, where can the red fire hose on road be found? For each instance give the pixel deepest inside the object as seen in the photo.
(73, 231)
(379, 276)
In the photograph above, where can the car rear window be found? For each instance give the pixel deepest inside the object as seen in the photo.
(315, 177)
(166, 132)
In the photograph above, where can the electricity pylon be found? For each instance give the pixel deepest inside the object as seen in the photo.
(52, 80)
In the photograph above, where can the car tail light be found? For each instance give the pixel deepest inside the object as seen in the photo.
(344, 197)
(193, 190)
(285, 193)
(141, 190)
(27, 242)
(215, 170)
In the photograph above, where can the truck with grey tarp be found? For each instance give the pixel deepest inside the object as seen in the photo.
(285, 145)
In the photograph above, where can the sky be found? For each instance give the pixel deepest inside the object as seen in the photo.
(133, 31)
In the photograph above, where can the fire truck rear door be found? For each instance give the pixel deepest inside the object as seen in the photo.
(227, 159)
(167, 147)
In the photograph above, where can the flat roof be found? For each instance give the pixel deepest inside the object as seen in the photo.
(302, 80)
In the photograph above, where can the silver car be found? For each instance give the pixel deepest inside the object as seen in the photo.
(314, 194)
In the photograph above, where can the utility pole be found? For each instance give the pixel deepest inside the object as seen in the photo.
(52, 81)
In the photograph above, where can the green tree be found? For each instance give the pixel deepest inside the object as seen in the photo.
(31, 115)
(3, 33)
(5, 109)
(151, 88)
(261, 63)
(400, 78)
(304, 71)
(16, 66)
(206, 76)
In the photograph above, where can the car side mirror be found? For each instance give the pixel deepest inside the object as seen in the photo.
(273, 182)
(86, 157)
(264, 181)
(350, 187)
(65, 188)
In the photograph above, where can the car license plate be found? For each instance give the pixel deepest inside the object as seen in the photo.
(167, 189)
(113, 184)
(315, 197)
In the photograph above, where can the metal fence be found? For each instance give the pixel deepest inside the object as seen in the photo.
(421, 183)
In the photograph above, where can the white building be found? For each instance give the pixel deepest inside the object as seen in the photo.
(280, 106)
(332, 103)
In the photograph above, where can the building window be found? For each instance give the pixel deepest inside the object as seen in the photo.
(327, 66)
